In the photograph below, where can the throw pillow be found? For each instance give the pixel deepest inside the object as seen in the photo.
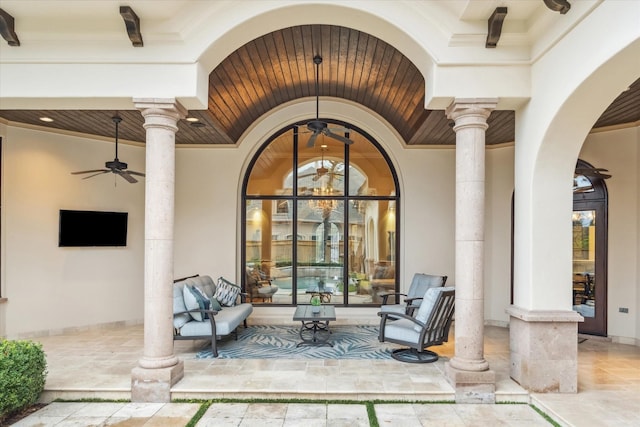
(191, 303)
(226, 292)
(215, 304)
(203, 299)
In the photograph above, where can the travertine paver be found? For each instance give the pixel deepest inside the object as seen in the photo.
(281, 414)
(99, 361)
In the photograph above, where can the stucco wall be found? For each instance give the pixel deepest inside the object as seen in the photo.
(50, 288)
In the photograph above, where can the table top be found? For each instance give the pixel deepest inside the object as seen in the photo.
(303, 313)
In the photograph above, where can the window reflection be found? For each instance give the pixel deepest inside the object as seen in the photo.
(339, 202)
(584, 253)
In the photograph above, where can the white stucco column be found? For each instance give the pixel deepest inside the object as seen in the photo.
(468, 371)
(158, 368)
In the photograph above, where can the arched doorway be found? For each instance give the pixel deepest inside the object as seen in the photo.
(589, 231)
(339, 200)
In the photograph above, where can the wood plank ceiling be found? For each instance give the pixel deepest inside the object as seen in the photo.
(278, 67)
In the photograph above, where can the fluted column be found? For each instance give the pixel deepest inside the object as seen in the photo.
(468, 371)
(158, 368)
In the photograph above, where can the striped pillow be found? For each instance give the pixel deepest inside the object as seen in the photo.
(226, 292)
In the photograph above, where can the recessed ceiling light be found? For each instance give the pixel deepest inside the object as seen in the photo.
(46, 119)
(197, 124)
(192, 119)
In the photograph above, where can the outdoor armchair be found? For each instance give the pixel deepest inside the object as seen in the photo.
(413, 298)
(429, 327)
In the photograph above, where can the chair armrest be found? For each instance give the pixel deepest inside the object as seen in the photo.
(387, 295)
(410, 301)
(394, 316)
(243, 297)
(197, 310)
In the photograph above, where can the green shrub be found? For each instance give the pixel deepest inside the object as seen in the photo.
(23, 370)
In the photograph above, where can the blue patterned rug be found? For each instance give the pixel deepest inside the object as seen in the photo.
(280, 342)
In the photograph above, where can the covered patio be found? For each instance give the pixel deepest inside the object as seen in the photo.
(95, 363)
(453, 199)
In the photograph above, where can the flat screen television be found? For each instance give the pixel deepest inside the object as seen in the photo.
(92, 228)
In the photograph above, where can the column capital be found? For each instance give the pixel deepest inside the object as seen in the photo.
(479, 107)
(160, 106)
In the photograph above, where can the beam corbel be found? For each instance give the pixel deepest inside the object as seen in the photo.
(7, 29)
(132, 22)
(495, 26)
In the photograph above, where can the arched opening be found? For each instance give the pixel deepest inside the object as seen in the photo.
(589, 231)
(340, 202)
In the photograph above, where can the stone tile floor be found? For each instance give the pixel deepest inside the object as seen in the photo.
(282, 415)
(97, 363)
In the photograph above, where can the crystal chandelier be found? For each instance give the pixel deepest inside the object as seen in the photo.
(324, 206)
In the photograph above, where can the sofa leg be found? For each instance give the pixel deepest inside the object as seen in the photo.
(245, 323)
(214, 347)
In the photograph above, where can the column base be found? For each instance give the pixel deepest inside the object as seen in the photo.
(544, 349)
(472, 387)
(154, 385)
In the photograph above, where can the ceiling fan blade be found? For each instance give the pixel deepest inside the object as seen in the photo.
(312, 139)
(90, 171)
(102, 171)
(593, 172)
(135, 173)
(126, 176)
(338, 137)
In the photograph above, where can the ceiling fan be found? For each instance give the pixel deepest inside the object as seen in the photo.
(584, 175)
(115, 166)
(592, 172)
(317, 126)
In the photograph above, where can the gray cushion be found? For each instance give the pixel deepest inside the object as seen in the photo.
(421, 282)
(178, 306)
(204, 283)
(427, 305)
(401, 330)
(393, 308)
(227, 321)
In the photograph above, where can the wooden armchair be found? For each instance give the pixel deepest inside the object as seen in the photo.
(429, 327)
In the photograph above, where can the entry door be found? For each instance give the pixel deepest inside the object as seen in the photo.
(589, 267)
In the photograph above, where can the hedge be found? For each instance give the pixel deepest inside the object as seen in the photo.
(23, 370)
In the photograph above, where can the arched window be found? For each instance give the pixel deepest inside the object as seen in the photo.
(339, 200)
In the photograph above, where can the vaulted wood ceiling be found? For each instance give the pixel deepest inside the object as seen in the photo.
(278, 67)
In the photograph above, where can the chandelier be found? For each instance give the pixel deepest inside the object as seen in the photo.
(324, 177)
(324, 206)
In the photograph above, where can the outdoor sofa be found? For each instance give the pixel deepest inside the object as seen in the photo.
(206, 310)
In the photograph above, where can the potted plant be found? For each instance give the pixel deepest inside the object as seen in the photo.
(315, 304)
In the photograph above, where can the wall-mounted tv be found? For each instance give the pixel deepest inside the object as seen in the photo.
(92, 228)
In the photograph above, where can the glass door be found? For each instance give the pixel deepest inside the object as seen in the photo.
(589, 280)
